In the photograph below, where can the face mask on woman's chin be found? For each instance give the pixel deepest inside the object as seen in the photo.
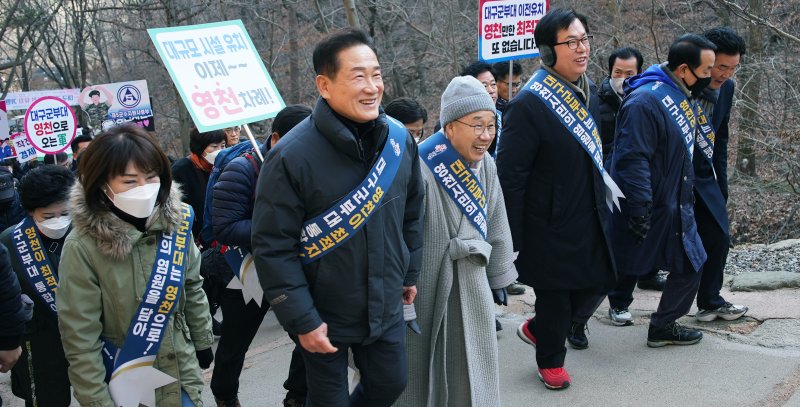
(54, 228)
(138, 202)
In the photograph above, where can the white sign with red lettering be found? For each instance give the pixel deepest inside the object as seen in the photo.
(50, 124)
(219, 74)
(506, 28)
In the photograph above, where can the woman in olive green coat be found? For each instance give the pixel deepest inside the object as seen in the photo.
(124, 200)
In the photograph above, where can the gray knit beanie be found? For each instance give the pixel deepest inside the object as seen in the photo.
(463, 95)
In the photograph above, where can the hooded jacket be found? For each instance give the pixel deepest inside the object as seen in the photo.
(357, 288)
(654, 170)
(105, 267)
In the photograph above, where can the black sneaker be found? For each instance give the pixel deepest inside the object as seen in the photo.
(655, 283)
(497, 326)
(672, 334)
(577, 336)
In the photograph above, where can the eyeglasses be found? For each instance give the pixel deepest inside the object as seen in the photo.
(515, 84)
(573, 44)
(479, 128)
(726, 68)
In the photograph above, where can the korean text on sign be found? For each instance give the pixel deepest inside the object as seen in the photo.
(506, 28)
(50, 125)
(221, 77)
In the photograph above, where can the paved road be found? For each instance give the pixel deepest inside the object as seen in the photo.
(724, 369)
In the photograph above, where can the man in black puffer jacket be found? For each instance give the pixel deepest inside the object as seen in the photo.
(233, 199)
(346, 295)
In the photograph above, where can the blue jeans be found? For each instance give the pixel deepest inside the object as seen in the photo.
(185, 400)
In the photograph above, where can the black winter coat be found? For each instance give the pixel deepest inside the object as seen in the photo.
(609, 106)
(555, 199)
(41, 340)
(233, 198)
(357, 288)
(193, 182)
(13, 312)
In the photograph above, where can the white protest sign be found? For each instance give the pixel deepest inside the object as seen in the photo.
(23, 148)
(506, 28)
(23, 100)
(50, 125)
(219, 74)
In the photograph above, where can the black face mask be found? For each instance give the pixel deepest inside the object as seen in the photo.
(699, 85)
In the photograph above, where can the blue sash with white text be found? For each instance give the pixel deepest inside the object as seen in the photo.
(336, 225)
(576, 118)
(705, 137)
(679, 110)
(38, 269)
(42, 277)
(455, 178)
(134, 378)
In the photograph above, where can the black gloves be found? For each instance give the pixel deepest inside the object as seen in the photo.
(639, 226)
(500, 296)
(205, 357)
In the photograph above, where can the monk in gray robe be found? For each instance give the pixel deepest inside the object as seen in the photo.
(467, 259)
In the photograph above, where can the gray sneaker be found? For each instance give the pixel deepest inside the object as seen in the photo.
(620, 317)
(728, 312)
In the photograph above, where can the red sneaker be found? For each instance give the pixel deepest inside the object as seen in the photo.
(525, 334)
(555, 378)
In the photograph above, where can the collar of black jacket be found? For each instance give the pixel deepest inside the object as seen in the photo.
(608, 94)
(345, 134)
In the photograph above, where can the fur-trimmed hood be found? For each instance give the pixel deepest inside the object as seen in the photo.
(115, 237)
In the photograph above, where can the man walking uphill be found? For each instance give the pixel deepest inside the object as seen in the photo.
(550, 165)
(652, 162)
(337, 236)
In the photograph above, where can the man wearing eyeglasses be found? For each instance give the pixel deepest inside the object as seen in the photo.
(711, 178)
(501, 71)
(550, 169)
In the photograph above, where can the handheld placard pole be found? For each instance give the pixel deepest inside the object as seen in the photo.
(510, 71)
(253, 140)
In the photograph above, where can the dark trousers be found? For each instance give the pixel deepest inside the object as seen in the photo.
(382, 364)
(555, 310)
(295, 383)
(240, 324)
(621, 296)
(677, 297)
(716, 243)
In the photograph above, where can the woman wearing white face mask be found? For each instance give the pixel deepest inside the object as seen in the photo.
(34, 247)
(131, 280)
(192, 172)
